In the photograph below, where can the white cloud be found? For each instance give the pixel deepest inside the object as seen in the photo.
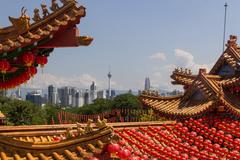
(186, 60)
(158, 56)
(80, 81)
(160, 77)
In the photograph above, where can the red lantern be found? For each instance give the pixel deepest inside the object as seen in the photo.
(113, 148)
(28, 58)
(4, 66)
(123, 154)
(122, 142)
(42, 60)
(32, 71)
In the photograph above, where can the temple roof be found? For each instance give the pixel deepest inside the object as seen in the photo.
(22, 33)
(27, 44)
(230, 56)
(41, 141)
(80, 143)
(182, 77)
(216, 90)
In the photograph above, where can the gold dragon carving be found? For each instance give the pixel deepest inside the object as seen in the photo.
(22, 23)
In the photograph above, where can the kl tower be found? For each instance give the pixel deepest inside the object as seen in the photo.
(109, 85)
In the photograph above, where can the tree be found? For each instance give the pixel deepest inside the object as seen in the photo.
(151, 116)
(102, 105)
(98, 106)
(22, 113)
(51, 112)
(126, 101)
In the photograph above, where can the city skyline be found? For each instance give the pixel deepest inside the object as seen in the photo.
(137, 39)
(65, 95)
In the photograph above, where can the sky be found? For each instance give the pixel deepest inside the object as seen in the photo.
(137, 39)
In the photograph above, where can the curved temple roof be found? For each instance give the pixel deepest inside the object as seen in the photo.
(203, 92)
(88, 142)
(24, 45)
(23, 33)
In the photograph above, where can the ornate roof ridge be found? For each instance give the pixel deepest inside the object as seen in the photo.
(205, 83)
(148, 94)
(71, 145)
(178, 108)
(210, 86)
(183, 77)
(210, 83)
(231, 55)
(231, 81)
(68, 14)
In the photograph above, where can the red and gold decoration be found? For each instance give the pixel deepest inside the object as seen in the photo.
(207, 114)
(41, 60)
(209, 137)
(4, 66)
(28, 58)
(32, 71)
(24, 45)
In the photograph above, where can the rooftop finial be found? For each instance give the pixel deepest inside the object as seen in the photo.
(54, 6)
(44, 10)
(232, 42)
(22, 23)
(23, 11)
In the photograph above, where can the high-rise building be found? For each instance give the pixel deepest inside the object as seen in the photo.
(111, 94)
(102, 94)
(70, 96)
(93, 92)
(105, 94)
(35, 97)
(86, 97)
(147, 84)
(52, 95)
(60, 96)
(63, 94)
(18, 93)
(79, 99)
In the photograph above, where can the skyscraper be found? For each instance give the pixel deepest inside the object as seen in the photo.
(86, 97)
(147, 84)
(93, 92)
(35, 97)
(79, 99)
(64, 96)
(18, 93)
(52, 94)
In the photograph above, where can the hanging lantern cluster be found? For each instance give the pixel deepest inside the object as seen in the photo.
(15, 81)
(22, 68)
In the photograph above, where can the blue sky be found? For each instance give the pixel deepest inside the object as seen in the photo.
(137, 38)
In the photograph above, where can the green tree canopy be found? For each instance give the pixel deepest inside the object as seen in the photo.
(22, 112)
(126, 101)
(51, 111)
(98, 106)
